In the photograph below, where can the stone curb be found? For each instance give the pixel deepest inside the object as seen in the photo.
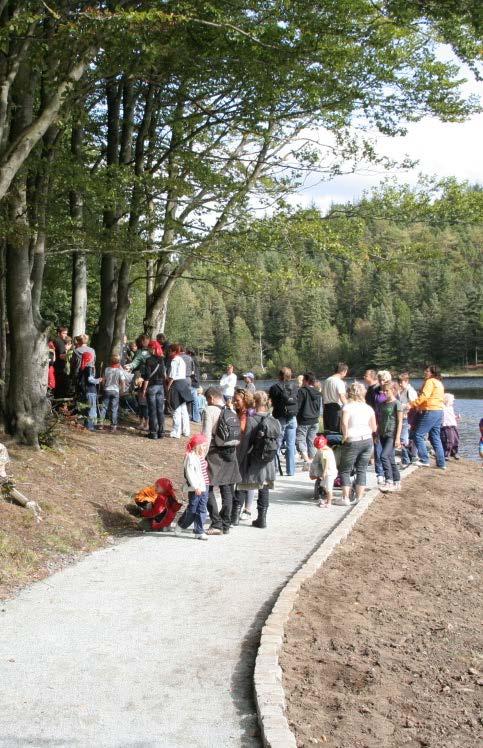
(268, 687)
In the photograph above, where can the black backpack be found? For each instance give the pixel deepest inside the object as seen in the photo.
(265, 444)
(289, 399)
(228, 431)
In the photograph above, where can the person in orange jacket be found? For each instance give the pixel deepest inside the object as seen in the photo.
(429, 406)
(157, 505)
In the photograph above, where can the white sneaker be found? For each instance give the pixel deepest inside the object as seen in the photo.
(201, 536)
(387, 487)
(178, 530)
(397, 486)
(423, 464)
(381, 481)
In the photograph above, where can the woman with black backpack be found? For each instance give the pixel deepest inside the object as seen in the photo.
(258, 468)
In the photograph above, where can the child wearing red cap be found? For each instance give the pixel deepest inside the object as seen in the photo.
(323, 469)
(197, 484)
(158, 505)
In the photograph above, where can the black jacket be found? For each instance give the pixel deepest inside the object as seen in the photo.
(276, 394)
(309, 399)
(153, 370)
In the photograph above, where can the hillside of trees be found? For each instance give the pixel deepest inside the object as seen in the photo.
(136, 137)
(357, 285)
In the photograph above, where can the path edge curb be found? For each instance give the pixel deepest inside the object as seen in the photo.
(267, 679)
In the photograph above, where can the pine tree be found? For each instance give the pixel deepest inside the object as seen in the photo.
(243, 346)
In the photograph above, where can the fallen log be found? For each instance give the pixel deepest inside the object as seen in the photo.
(10, 493)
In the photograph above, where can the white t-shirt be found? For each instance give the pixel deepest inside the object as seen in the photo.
(332, 389)
(358, 424)
(178, 368)
(228, 384)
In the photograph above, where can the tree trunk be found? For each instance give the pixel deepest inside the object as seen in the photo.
(3, 328)
(155, 319)
(79, 294)
(108, 301)
(122, 307)
(79, 260)
(26, 402)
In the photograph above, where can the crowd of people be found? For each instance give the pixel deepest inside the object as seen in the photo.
(336, 429)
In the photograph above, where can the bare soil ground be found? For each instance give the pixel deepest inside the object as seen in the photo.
(82, 487)
(384, 647)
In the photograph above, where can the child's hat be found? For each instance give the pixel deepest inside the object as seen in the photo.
(195, 441)
(320, 441)
(165, 486)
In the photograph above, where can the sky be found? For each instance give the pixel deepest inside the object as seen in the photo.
(441, 148)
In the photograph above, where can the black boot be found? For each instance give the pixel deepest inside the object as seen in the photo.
(261, 520)
(262, 508)
(235, 512)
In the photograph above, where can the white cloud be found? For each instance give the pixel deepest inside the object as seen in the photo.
(441, 149)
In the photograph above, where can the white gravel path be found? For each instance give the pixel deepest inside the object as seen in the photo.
(152, 642)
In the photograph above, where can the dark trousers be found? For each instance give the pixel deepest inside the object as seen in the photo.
(195, 512)
(262, 500)
(450, 439)
(332, 417)
(155, 399)
(221, 520)
(388, 459)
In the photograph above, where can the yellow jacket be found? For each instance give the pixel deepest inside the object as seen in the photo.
(431, 397)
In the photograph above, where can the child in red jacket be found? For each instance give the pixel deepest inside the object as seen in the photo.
(158, 505)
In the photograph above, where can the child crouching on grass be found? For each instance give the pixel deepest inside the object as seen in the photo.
(197, 484)
(157, 505)
(323, 469)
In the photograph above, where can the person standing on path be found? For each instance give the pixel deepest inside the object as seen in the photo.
(406, 395)
(180, 392)
(197, 483)
(154, 375)
(222, 463)
(243, 403)
(308, 400)
(228, 383)
(450, 438)
(389, 432)
(429, 406)
(114, 381)
(263, 434)
(359, 426)
(283, 396)
(334, 397)
(61, 378)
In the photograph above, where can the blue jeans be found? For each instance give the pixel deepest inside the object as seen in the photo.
(92, 414)
(195, 410)
(110, 399)
(377, 458)
(155, 398)
(289, 429)
(305, 436)
(408, 451)
(195, 512)
(428, 422)
(388, 459)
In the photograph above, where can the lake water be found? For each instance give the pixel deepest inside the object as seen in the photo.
(468, 392)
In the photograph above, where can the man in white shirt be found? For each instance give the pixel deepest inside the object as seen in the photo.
(334, 397)
(228, 383)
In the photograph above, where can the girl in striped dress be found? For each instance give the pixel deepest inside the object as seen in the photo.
(197, 484)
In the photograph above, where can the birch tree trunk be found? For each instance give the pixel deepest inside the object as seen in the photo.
(79, 260)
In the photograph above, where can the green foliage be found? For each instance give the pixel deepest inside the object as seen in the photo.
(385, 293)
